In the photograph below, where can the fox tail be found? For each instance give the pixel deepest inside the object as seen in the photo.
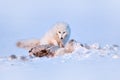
(28, 44)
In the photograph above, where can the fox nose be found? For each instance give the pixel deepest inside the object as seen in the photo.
(61, 37)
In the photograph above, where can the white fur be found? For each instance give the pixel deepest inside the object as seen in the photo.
(57, 36)
(53, 37)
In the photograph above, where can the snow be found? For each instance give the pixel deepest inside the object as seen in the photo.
(80, 52)
(95, 62)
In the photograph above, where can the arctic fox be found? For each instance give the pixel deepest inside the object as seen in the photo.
(57, 36)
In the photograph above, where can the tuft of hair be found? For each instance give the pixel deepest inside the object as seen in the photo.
(28, 44)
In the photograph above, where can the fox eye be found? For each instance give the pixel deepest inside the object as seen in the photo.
(59, 32)
(63, 32)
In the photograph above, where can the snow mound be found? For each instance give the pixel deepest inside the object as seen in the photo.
(93, 51)
(81, 52)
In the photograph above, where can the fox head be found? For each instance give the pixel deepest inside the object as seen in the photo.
(63, 31)
(62, 34)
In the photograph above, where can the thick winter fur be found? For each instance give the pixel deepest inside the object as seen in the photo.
(57, 36)
(28, 44)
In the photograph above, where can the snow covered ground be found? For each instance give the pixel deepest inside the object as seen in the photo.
(83, 52)
(90, 62)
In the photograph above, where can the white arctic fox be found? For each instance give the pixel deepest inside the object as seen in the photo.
(57, 36)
